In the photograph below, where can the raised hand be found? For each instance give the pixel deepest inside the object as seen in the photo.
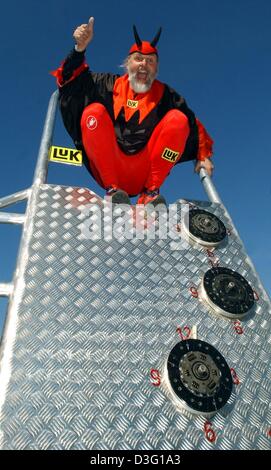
(83, 35)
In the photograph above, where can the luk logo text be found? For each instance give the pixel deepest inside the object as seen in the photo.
(170, 155)
(65, 155)
(132, 104)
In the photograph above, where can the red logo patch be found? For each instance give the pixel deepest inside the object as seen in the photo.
(92, 123)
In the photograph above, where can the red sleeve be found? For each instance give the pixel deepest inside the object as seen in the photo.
(58, 73)
(205, 149)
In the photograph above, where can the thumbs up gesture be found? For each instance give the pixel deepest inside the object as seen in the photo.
(83, 35)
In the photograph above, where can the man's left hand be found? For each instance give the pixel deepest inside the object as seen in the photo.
(207, 164)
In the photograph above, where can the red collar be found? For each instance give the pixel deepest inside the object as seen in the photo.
(125, 97)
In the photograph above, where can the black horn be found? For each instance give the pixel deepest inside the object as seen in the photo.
(137, 38)
(156, 38)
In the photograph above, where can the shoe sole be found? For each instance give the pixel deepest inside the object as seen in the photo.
(120, 197)
(157, 201)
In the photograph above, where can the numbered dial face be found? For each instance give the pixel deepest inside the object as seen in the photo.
(204, 227)
(199, 376)
(228, 292)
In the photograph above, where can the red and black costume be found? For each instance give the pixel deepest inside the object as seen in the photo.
(130, 140)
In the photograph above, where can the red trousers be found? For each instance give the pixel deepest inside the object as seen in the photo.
(132, 173)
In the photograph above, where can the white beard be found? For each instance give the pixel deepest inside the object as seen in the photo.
(137, 86)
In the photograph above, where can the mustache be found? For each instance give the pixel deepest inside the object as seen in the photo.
(133, 75)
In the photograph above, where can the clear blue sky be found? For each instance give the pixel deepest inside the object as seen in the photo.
(215, 53)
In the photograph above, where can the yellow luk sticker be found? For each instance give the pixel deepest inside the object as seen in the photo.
(132, 104)
(170, 155)
(65, 155)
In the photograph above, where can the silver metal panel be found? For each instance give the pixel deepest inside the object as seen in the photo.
(95, 316)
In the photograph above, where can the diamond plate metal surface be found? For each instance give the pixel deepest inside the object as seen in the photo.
(95, 317)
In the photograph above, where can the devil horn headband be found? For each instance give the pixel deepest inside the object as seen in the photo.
(137, 38)
(156, 38)
(152, 43)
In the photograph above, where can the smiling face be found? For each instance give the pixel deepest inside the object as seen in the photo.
(142, 70)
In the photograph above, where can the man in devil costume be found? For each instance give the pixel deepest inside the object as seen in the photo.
(132, 129)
